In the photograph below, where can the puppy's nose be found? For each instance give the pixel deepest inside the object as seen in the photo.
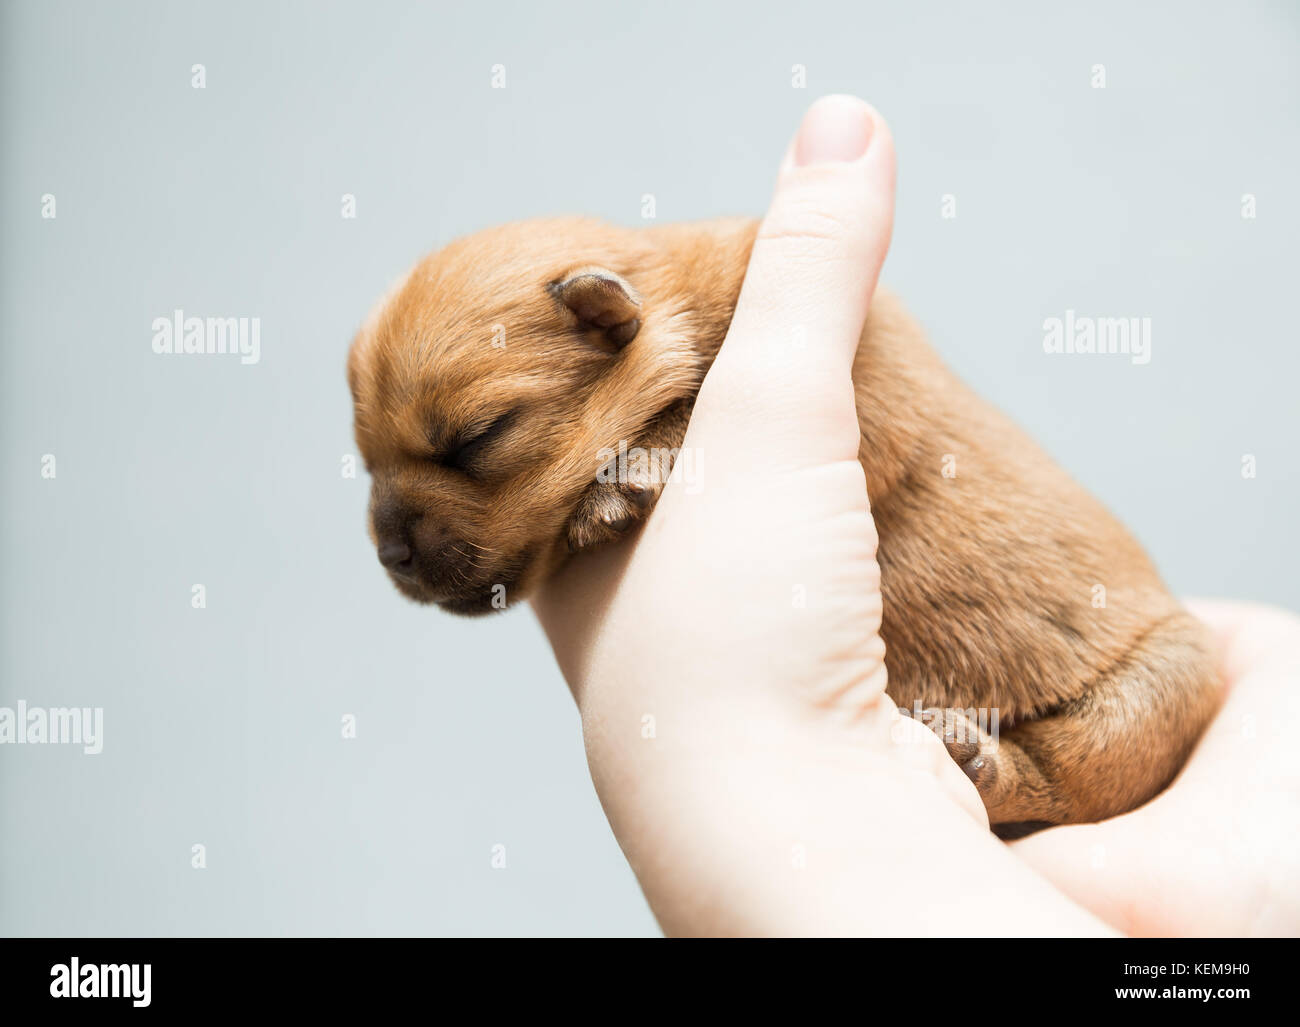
(396, 556)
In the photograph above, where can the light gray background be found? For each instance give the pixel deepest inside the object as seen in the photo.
(223, 724)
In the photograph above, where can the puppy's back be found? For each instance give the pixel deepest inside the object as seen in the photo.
(1006, 584)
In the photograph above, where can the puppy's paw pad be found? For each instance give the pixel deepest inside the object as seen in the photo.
(971, 748)
(983, 772)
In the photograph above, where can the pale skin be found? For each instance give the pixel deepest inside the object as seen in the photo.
(1214, 855)
(728, 667)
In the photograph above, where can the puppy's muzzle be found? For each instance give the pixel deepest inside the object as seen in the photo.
(424, 559)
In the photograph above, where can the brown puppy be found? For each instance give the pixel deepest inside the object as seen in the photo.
(493, 382)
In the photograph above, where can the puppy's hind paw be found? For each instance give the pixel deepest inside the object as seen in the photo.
(971, 747)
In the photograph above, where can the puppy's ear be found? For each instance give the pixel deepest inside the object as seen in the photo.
(601, 300)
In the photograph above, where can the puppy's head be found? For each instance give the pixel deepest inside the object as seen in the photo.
(487, 383)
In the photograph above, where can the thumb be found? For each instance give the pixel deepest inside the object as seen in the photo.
(780, 387)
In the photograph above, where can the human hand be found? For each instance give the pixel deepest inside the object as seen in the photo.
(780, 791)
(1215, 854)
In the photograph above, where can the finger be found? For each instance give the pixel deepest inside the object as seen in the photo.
(1097, 866)
(782, 378)
(1251, 636)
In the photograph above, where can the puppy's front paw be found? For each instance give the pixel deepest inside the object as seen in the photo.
(610, 507)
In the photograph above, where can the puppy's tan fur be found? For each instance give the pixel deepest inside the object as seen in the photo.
(568, 336)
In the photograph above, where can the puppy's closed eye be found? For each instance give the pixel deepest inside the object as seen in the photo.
(465, 452)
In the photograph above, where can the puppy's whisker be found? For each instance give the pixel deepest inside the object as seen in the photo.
(462, 573)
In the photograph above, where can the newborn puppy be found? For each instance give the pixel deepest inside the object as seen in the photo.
(1021, 621)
